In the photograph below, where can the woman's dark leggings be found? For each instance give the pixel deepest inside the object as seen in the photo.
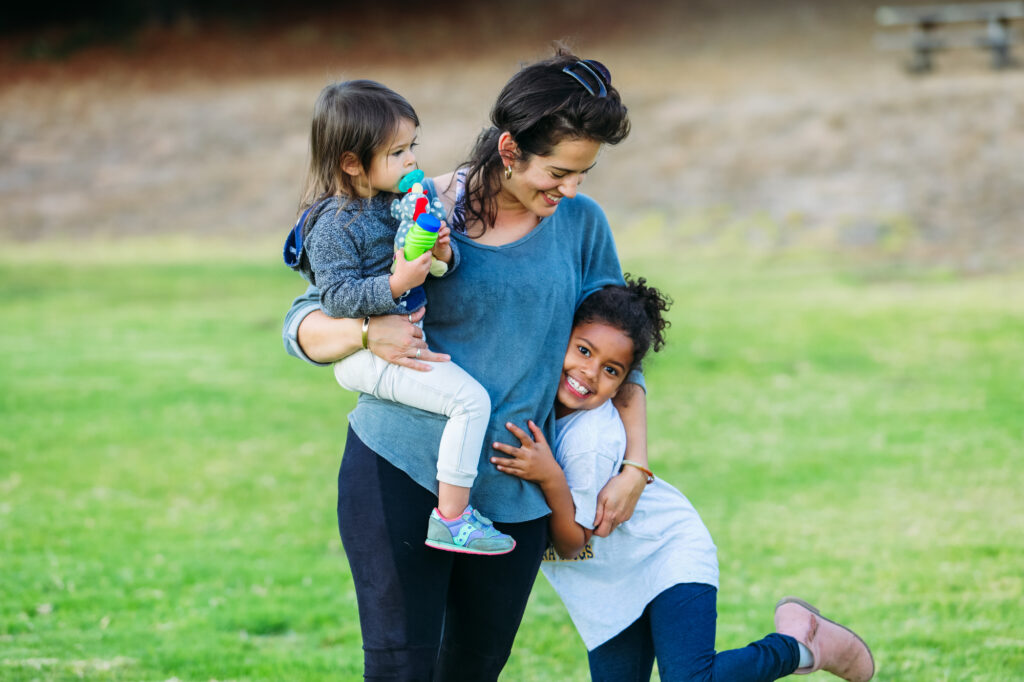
(427, 614)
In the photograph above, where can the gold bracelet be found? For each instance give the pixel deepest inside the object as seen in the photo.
(366, 333)
(641, 467)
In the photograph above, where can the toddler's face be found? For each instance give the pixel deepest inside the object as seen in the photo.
(394, 160)
(596, 363)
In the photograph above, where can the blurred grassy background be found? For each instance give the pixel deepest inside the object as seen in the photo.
(840, 396)
(168, 474)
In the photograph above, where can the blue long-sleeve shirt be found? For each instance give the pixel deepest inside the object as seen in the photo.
(505, 316)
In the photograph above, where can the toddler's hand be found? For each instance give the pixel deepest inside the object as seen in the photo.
(443, 246)
(408, 273)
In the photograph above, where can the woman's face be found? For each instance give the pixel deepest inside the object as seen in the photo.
(541, 182)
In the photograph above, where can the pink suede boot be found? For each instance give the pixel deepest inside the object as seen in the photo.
(836, 648)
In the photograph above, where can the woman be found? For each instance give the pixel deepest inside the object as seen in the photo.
(532, 250)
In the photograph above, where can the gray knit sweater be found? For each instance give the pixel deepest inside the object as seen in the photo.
(347, 254)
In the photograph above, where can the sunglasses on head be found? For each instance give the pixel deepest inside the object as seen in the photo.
(590, 72)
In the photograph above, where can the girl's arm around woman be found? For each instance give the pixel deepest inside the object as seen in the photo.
(534, 461)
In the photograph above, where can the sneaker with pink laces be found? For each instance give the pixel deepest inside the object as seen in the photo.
(470, 533)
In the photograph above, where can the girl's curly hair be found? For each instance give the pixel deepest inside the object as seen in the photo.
(636, 309)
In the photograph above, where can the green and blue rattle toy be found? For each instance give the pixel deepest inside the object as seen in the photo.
(419, 220)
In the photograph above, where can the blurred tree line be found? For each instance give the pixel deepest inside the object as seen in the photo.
(59, 28)
(126, 15)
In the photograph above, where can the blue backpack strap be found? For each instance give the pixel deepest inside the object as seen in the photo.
(293, 242)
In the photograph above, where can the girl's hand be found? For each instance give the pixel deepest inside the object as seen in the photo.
(532, 461)
(617, 500)
(408, 273)
(443, 246)
(396, 339)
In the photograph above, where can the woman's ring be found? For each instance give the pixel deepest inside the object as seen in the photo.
(410, 317)
(418, 351)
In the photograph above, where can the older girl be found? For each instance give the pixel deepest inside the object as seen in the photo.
(649, 590)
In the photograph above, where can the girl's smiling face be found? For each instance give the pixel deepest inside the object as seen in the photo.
(541, 182)
(596, 363)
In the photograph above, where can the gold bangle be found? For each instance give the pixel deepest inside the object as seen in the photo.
(641, 467)
(366, 333)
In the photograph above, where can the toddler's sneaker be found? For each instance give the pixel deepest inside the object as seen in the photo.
(471, 533)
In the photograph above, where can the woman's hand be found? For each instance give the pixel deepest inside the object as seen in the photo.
(532, 461)
(396, 339)
(617, 500)
(443, 246)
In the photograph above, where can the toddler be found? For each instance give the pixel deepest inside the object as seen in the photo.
(361, 146)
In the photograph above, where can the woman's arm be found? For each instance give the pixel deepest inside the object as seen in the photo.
(534, 461)
(444, 186)
(325, 339)
(312, 335)
(618, 498)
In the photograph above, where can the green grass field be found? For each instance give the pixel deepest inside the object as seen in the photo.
(167, 473)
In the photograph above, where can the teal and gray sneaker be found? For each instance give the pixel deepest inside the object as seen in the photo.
(471, 533)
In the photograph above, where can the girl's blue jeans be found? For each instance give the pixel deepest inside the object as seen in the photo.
(678, 628)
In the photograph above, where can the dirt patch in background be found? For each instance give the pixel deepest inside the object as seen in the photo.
(778, 126)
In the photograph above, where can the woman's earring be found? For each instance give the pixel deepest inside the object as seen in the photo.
(508, 172)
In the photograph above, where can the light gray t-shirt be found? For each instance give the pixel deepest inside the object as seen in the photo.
(665, 543)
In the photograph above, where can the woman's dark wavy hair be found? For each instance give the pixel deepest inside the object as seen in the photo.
(540, 106)
(635, 309)
(357, 116)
